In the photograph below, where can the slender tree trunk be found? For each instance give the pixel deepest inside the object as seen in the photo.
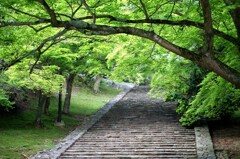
(235, 13)
(59, 117)
(41, 99)
(47, 104)
(67, 101)
(97, 84)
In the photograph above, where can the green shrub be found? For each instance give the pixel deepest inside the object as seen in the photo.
(4, 99)
(216, 99)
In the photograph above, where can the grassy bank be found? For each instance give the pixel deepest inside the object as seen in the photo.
(19, 138)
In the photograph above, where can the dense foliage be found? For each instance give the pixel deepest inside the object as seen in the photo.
(60, 39)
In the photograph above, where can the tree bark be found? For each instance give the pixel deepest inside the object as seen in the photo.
(47, 104)
(59, 116)
(208, 27)
(41, 100)
(235, 14)
(220, 69)
(97, 83)
(67, 101)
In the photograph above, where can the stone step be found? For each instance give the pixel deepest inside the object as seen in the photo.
(136, 128)
(128, 153)
(169, 136)
(132, 143)
(128, 149)
(126, 133)
(129, 156)
(86, 148)
(142, 139)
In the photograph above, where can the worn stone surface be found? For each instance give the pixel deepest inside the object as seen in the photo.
(78, 132)
(204, 143)
(136, 127)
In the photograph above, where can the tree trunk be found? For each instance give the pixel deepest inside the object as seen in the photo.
(235, 13)
(97, 84)
(41, 99)
(220, 69)
(59, 117)
(47, 104)
(209, 35)
(67, 101)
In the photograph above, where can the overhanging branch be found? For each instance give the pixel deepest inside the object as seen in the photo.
(168, 22)
(52, 38)
(207, 62)
(20, 11)
(140, 21)
(5, 24)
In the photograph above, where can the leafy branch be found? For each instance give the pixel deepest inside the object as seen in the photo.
(16, 23)
(168, 22)
(139, 21)
(5, 65)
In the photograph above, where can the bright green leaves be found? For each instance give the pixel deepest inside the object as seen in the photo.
(20, 11)
(216, 99)
(15, 42)
(131, 60)
(4, 93)
(4, 99)
(44, 79)
(96, 57)
(173, 78)
(222, 18)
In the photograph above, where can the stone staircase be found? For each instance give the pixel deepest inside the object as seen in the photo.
(136, 127)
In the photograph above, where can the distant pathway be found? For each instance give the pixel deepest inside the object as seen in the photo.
(137, 127)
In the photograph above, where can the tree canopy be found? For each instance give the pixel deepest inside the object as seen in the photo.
(157, 21)
(206, 32)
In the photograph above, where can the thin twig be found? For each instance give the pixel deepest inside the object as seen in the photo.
(70, 5)
(89, 10)
(157, 8)
(76, 10)
(41, 52)
(144, 9)
(19, 11)
(42, 28)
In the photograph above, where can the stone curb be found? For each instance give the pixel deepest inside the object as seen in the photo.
(61, 147)
(204, 143)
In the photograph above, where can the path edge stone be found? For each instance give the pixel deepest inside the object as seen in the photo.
(204, 143)
(65, 143)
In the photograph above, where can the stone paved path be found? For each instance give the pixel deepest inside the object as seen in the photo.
(137, 127)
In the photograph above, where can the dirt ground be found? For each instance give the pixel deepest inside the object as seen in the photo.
(226, 138)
